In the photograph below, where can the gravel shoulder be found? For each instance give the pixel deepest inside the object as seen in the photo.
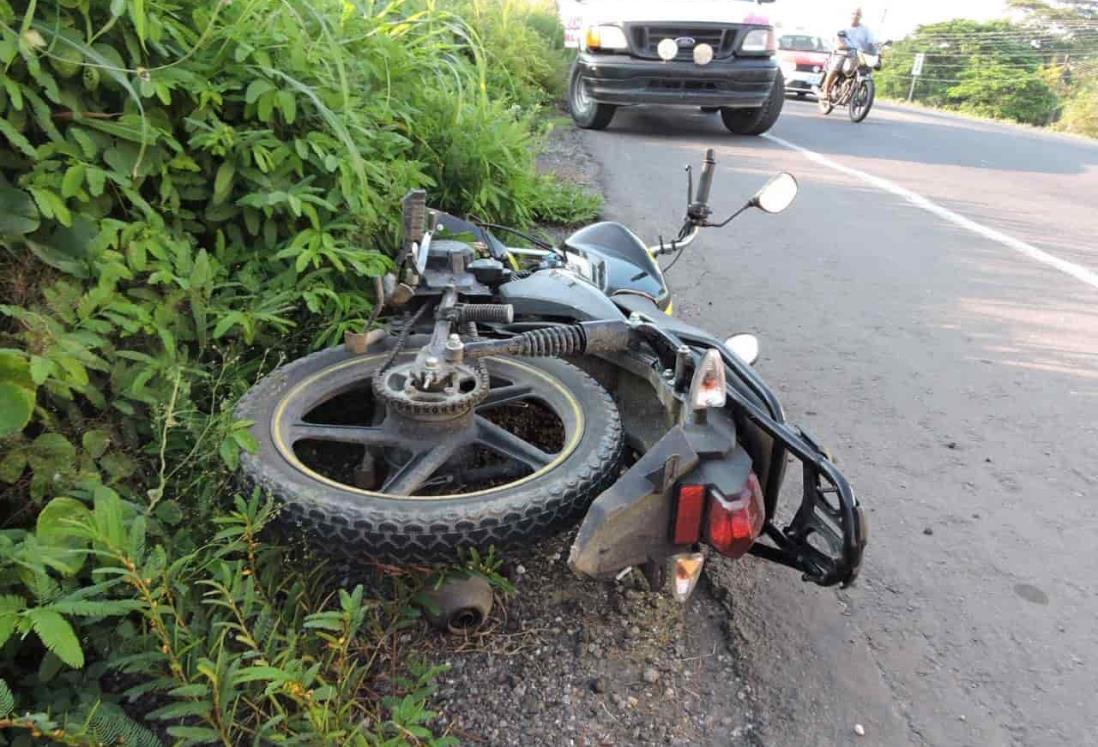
(568, 661)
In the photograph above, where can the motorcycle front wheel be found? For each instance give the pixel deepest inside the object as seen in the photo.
(361, 479)
(862, 100)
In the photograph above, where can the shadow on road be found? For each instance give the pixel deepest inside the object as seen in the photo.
(890, 134)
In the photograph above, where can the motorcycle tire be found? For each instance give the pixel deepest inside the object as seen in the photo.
(759, 120)
(587, 113)
(862, 100)
(354, 524)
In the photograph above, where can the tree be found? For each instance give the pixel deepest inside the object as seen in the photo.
(1075, 22)
(1058, 10)
(956, 52)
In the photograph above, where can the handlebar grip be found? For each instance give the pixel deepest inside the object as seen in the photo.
(705, 182)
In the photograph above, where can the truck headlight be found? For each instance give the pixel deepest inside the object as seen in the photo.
(759, 40)
(605, 38)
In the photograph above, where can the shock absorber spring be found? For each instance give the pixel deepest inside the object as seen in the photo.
(571, 339)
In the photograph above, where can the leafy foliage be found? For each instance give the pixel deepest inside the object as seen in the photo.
(1080, 112)
(973, 66)
(190, 191)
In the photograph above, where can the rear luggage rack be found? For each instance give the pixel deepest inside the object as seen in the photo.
(826, 537)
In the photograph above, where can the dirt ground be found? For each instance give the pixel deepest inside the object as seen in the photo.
(574, 662)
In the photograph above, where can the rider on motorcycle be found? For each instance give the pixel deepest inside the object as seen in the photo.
(856, 38)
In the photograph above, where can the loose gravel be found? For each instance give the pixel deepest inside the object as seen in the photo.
(568, 661)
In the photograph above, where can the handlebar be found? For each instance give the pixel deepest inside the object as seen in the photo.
(705, 182)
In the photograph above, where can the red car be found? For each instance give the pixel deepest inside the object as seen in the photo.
(803, 59)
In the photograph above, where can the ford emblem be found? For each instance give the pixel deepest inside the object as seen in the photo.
(686, 42)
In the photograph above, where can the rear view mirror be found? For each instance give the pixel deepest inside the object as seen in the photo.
(777, 195)
(745, 347)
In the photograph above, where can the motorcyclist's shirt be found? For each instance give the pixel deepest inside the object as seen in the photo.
(860, 38)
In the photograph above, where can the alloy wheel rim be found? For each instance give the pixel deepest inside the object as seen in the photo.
(480, 451)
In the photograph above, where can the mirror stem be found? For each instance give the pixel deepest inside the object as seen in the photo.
(732, 217)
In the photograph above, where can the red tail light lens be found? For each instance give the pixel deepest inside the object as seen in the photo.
(735, 521)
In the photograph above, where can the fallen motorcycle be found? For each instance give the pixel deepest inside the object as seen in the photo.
(517, 389)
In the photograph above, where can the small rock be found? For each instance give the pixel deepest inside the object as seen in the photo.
(859, 730)
(633, 702)
(951, 445)
(598, 685)
(520, 569)
(651, 675)
(928, 531)
(962, 717)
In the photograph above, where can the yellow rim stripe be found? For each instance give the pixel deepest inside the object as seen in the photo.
(288, 454)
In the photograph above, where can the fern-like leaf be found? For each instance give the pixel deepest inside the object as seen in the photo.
(91, 608)
(111, 725)
(10, 605)
(57, 635)
(7, 700)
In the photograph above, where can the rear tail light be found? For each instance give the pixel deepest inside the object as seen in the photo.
(734, 522)
(730, 524)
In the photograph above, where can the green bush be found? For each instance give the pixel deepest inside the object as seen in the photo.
(191, 191)
(991, 89)
(523, 43)
(981, 67)
(1080, 112)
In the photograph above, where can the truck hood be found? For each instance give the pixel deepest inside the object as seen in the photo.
(706, 11)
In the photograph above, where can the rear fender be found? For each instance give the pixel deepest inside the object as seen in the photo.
(629, 524)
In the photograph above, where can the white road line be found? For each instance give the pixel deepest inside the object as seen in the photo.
(1068, 268)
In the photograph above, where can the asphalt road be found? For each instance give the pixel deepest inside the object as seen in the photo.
(947, 352)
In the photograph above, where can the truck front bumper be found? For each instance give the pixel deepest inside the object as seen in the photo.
(736, 82)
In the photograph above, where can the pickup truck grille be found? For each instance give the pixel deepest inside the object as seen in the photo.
(644, 38)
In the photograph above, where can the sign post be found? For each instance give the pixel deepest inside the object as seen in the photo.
(916, 71)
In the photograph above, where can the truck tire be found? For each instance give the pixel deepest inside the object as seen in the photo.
(759, 120)
(586, 112)
(356, 525)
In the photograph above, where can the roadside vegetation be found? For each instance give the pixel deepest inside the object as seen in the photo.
(192, 191)
(1041, 70)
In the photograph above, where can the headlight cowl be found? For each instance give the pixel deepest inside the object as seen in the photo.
(759, 42)
(605, 39)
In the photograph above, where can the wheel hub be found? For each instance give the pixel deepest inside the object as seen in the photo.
(431, 390)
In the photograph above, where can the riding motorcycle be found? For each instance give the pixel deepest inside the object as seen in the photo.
(518, 387)
(854, 88)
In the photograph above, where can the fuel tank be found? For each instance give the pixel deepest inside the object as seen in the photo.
(628, 267)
